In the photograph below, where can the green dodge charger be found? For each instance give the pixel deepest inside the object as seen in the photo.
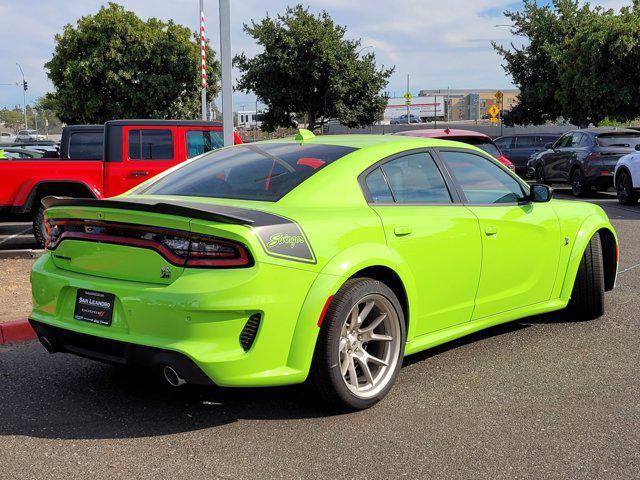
(313, 259)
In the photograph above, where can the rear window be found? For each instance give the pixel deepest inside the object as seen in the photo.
(150, 144)
(481, 143)
(627, 140)
(86, 145)
(248, 172)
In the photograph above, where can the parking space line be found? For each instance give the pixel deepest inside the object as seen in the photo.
(11, 237)
(630, 268)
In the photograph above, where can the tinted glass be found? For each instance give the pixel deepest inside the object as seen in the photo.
(526, 142)
(542, 141)
(86, 145)
(150, 144)
(625, 140)
(202, 141)
(504, 142)
(481, 180)
(416, 179)
(576, 138)
(564, 141)
(378, 188)
(265, 171)
(482, 143)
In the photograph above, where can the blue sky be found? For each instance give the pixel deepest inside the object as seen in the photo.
(440, 44)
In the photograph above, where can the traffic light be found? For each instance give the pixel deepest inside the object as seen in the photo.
(24, 85)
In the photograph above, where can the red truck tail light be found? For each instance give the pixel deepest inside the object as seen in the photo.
(178, 247)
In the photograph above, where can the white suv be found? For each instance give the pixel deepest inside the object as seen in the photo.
(627, 178)
(29, 136)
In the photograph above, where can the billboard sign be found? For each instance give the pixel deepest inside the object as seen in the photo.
(428, 107)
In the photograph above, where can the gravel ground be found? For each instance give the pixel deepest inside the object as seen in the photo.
(15, 291)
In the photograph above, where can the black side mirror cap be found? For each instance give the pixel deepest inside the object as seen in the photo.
(540, 193)
(638, 147)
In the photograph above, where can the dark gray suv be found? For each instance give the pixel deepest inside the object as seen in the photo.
(520, 147)
(585, 159)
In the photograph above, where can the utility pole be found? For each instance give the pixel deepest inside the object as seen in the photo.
(203, 64)
(225, 56)
(408, 100)
(435, 111)
(24, 97)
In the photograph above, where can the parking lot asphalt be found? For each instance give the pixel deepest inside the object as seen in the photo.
(536, 398)
(16, 235)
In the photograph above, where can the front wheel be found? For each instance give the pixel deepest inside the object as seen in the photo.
(624, 189)
(587, 297)
(360, 347)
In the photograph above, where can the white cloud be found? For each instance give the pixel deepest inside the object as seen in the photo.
(439, 44)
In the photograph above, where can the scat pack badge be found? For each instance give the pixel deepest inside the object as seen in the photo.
(286, 241)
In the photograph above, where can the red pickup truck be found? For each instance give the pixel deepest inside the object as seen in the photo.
(98, 161)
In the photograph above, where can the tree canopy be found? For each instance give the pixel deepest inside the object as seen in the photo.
(115, 65)
(577, 62)
(309, 68)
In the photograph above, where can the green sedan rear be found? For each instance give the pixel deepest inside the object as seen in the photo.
(323, 260)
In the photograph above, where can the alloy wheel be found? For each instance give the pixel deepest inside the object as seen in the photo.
(577, 183)
(623, 188)
(369, 345)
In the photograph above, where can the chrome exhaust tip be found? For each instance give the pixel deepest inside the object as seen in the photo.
(46, 343)
(172, 377)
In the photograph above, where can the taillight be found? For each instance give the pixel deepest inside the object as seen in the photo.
(176, 246)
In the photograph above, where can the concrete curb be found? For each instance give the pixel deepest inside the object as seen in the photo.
(16, 331)
(20, 253)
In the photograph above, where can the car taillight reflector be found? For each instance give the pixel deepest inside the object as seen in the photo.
(178, 247)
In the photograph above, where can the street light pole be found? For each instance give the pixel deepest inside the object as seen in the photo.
(203, 65)
(24, 97)
(225, 57)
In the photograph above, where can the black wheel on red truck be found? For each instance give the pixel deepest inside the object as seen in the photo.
(39, 227)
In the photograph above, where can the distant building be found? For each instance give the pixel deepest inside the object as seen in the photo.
(472, 104)
(249, 119)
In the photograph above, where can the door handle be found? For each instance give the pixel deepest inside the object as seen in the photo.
(490, 230)
(139, 173)
(401, 231)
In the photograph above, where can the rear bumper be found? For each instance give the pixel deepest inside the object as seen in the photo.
(200, 317)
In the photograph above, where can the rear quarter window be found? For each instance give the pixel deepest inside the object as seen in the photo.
(248, 172)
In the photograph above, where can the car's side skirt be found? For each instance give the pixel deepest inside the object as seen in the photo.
(433, 339)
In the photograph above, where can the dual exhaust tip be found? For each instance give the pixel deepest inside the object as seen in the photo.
(172, 377)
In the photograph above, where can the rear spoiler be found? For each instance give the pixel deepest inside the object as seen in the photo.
(203, 211)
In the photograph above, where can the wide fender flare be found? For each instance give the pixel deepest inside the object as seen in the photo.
(334, 274)
(588, 229)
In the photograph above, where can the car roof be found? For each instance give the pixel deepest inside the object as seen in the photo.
(359, 141)
(442, 133)
(177, 123)
(542, 134)
(604, 130)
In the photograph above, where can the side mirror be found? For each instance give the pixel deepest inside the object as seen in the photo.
(638, 147)
(540, 193)
(549, 146)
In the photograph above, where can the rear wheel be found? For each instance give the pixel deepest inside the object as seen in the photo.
(39, 227)
(360, 347)
(624, 189)
(578, 185)
(587, 297)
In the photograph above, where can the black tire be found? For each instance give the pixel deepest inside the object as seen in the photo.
(587, 297)
(539, 175)
(39, 228)
(579, 187)
(325, 377)
(624, 189)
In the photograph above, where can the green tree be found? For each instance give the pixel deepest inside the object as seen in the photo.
(308, 68)
(577, 62)
(115, 65)
(12, 119)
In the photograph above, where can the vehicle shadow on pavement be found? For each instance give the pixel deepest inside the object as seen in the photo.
(65, 397)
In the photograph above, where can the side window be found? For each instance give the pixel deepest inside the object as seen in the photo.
(526, 142)
(504, 142)
(378, 187)
(585, 141)
(150, 144)
(564, 141)
(86, 145)
(576, 138)
(202, 141)
(415, 178)
(481, 180)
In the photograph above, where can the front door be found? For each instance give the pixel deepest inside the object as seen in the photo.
(436, 239)
(521, 240)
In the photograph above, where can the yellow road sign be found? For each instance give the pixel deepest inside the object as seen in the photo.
(493, 120)
(493, 110)
(499, 95)
(408, 95)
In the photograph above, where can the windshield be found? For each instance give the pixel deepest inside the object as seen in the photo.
(481, 143)
(627, 140)
(265, 171)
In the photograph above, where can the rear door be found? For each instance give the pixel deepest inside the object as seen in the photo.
(146, 151)
(520, 240)
(434, 236)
